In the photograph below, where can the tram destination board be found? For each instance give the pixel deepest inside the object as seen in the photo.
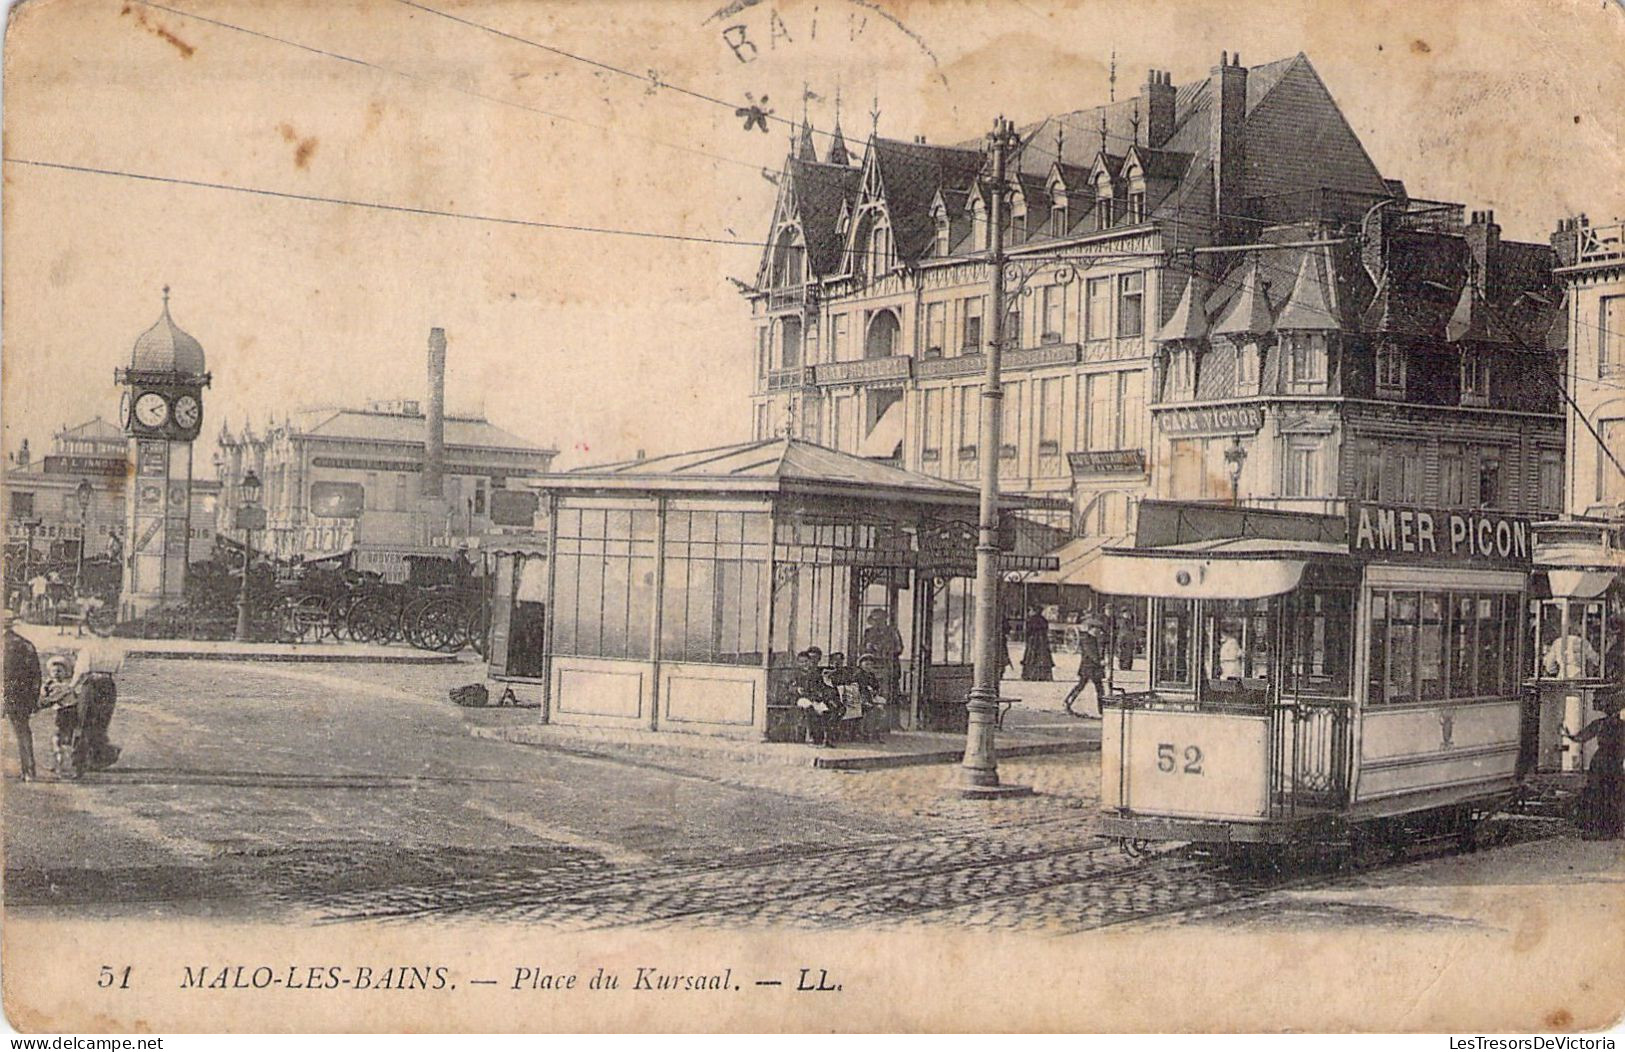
(1468, 537)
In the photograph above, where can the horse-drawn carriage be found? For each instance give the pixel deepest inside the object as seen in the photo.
(440, 606)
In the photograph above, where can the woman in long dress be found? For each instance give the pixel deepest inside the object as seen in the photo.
(1602, 801)
(1037, 663)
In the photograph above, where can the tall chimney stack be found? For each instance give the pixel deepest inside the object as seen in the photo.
(1159, 107)
(1228, 117)
(434, 444)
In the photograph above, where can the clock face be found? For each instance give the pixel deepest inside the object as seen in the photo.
(187, 411)
(151, 410)
(124, 409)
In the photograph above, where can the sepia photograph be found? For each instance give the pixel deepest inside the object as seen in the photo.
(813, 516)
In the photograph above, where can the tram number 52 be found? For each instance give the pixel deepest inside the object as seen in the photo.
(1168, 759)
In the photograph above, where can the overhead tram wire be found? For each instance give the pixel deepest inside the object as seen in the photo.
(379, 206)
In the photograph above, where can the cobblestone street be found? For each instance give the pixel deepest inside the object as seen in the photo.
(342, 795)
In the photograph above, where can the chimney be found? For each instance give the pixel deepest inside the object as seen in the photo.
(1159, 107)
(434, 443)
(1566, 241)
(1227, 117)
(1483, 241)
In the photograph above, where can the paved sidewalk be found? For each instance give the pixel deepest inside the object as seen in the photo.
(48, 639)
(1028, 731)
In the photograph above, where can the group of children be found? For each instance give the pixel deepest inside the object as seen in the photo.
(840, 697)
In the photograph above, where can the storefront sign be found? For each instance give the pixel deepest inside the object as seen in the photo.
(1108, 462)
(1458, 536)
(152, 458)
(1212, 420)
(511, 507)
(69, 464)
(337, 500)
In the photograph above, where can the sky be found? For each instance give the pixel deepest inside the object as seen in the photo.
(602, 344)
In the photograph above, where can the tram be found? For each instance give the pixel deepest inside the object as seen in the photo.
(1319, 679)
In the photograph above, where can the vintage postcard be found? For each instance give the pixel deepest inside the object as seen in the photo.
(814, 515)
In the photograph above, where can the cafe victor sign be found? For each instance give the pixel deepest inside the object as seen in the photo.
(1477, 536)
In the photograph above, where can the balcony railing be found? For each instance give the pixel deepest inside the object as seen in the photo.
(895, 367)
(789, 379)
(960, 365)
(1036, 357)
(1602, 244)
(794, 296)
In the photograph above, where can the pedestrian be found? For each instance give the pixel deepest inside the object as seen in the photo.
(22, 694)
(1125, 641)
(1601, 810)
(1037, 663)
(882, 640)
(820, 703)
(98, 662)
(1091, 669)
(67, 743)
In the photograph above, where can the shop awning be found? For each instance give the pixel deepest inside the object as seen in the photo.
(885, 439)
(1079, 561)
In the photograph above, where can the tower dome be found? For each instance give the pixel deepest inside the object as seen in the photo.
(166, 348)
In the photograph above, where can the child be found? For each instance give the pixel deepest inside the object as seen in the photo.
(58, 692)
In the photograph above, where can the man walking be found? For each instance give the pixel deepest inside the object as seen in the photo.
(98, 662)
(1091, 669)
(22, 694)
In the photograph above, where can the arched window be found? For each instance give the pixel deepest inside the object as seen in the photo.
(880, 249)
(1103, 201)
(882, 338)
(789, 260)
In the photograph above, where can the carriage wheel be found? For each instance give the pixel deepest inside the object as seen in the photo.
(450, 624)
(304, 617)
(412, 627)
(372, 619)
(338, 613)
(478, 630)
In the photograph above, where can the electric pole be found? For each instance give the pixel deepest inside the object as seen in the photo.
(979, 773)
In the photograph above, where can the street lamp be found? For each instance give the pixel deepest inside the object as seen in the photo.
(1234, 457)
(250, 517)
(83, 493)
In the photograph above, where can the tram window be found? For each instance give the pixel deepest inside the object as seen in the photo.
(1509, 646)
(1237, 632)
(1318, 641)
(1377, 680)
(1430, 648)
(1463, 645)
(1489, 645)
(1402, 647)
(1571, 638)
(1175, 640)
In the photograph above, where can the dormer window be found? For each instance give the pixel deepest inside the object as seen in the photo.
(1475, 378)
(979, 236)
(789, 259)
(1018, 220)
(1136, 206)
(880, 249)
(1247, 357)
(1058, 220)
(1390, 370)
(942, 235)
(1306, 363)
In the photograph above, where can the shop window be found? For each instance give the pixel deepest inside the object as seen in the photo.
(1176, 644)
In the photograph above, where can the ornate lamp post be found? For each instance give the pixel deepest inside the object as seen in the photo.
(250, 517)
(1234, 457)
(83, 493)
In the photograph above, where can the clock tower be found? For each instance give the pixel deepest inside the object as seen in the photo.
(162, 412)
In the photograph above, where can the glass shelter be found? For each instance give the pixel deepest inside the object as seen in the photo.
(675, 593)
